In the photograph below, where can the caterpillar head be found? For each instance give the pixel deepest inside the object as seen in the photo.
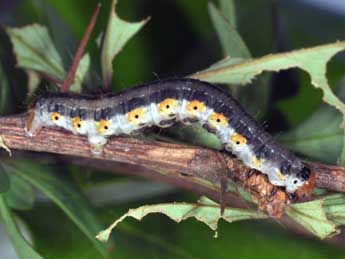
(301, 181)
(308, 177)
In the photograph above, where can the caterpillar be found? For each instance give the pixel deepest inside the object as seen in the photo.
(162, 103)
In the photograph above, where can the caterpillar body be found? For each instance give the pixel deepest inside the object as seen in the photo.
(162, 103)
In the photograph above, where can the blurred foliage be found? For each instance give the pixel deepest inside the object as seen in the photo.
(178, 40)
(23, 248)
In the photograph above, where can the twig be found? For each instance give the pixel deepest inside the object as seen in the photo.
(71, 73)
(192, 168)
(200, 163)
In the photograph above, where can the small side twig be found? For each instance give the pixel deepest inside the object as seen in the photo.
(71, 72)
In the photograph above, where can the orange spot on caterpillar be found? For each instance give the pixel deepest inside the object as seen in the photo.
(167, 105)
(195, 107)
(55, 116)
(135, 115)
(102, 126)
(238, 139)
(76, 123)
(218, 119)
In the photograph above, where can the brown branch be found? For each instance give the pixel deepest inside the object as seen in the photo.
(167, 159)
(329, 177)
(192, 168)
(73, 69)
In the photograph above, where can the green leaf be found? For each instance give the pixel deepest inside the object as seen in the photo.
(230, 39)
(320, 216)
(34, 80)
(245, 72)
(233, 46)
(226, 62)
(205, 211)
(312, 60)
(117, 34)
(35, 50)
(319, 136)
(237, 52)
(82, 69)
(312, 217)
(4, 180)
(334, 206)
(22, 247)
(227, 8)
(20, 196)
(65, 195)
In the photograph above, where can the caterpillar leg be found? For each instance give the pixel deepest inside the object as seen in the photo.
(97, 144)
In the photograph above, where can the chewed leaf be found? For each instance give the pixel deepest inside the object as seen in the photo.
(312, 216)
(312, 60)
(206, 201)
(118, 33)
(231, 41)
(205, 211)
(244, 72)
(35, 50)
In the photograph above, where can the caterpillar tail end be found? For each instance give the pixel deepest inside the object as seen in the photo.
(33, 124)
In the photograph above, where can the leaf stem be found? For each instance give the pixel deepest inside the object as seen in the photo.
(71, 73)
